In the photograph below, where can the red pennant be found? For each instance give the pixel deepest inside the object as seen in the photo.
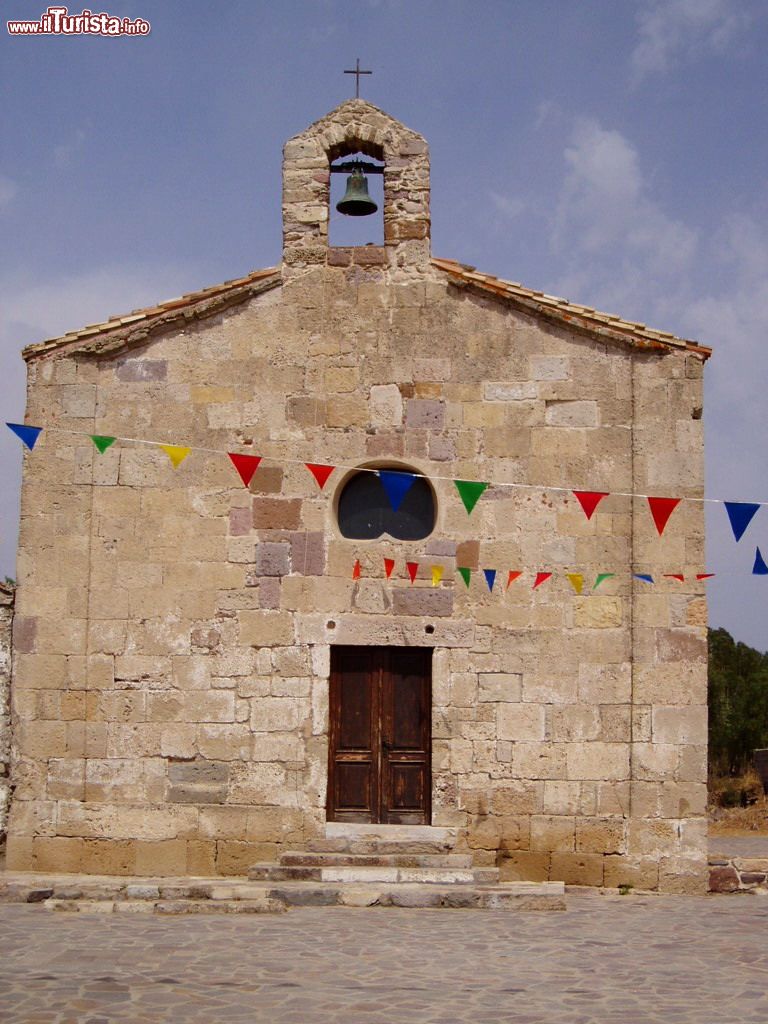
(246, 465)
(674, 576)
(320, 473)
(512, 577)
(389, 565)
(413, 568)
(661, 510)
(704, 575)
(541, 577)
(356, 570)
(589, 500)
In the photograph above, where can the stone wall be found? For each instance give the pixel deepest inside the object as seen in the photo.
(173, 628)
(6, 620)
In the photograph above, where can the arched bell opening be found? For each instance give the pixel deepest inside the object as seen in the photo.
(356, 209)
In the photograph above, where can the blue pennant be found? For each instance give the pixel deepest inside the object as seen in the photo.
(490, 577)
(740, 514)
(27, 434)
(644, 576)
(396, 485)
(760, 568)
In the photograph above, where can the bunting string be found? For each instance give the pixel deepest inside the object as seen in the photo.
(397, 483)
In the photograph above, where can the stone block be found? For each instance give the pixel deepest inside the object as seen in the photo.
(500, 686)
(266, 628)
(428, 414)
(275, 514)
(553, 832)
(687, 725)
(518, 721)
(437, 601)
(525, 866)
(597, 761)
(577, 868)
(600, 835)
(272, 559)
(166, 857)
(594, 612)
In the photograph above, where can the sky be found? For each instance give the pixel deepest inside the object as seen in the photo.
(611, 153)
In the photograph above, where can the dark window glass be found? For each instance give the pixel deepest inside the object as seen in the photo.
(365, 511)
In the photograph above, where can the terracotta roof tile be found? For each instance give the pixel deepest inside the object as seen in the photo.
(602, 325)
(120, 325)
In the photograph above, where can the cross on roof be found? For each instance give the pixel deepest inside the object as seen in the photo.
(357, 72)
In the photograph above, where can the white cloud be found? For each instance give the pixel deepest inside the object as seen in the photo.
(8, 190)
(676, 30)
(509, 206)
(614, 240)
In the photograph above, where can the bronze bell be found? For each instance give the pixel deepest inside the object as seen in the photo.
(356, 201)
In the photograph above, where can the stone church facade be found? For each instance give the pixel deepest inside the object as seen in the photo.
(200, 679)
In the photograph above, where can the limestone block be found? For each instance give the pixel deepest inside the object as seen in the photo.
(266, 628)
(278, 747)
(553, 832)
(654, 762)
(637, 872)
(525, 866)
(519, 721)
(261, 783)
(577, 868)
(600, 835)
(518, 798)
(597, 760)
(93, 820)
(163, 858)
(549, 368)
(224, 742)
(680, 725)
(597, 612)
(539, 760)
(573, 722)
(604, 684)
(223, 822)
(278, 714)
(500, 686)
(572, 414)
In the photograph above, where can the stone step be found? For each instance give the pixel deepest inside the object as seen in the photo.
(109, 894)
(298, 858)
(375, 846)
(521, 896)
(374, 873)
(445, 838)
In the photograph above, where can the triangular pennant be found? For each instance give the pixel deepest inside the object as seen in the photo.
(28, 435)
(541, 577)
(466, 574)
(469, 491)
(176, 453)
(661, 510)
(513, 575)
(413, 568)
(740, 514)
(674, 576)
(246, 465)
(589, 500)
(644, 576)
(576, 580)
(389, 565)
(102, 442)
(601, 577)
(396, 485)
(490, 577)
(356, 570)
(320, 473)
(705, 575)
(437, 574)
(759, 568)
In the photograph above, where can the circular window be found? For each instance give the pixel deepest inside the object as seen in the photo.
(387, 501)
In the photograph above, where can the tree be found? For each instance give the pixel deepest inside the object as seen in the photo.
(738, 703)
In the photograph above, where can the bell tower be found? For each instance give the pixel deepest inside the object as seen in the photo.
(352, 128)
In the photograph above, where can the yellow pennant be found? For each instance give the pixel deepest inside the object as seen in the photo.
(176, 453)
(577, 581)
(437, 574)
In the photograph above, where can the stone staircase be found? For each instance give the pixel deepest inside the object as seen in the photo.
(395, 865)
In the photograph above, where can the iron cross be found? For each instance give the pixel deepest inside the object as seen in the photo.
(357, 72)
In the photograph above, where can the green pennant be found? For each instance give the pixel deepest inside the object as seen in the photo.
(469, 491)
(466, 574)
(602, 576)
(102, 442)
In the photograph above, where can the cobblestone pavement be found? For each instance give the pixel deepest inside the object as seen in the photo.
(628, 960)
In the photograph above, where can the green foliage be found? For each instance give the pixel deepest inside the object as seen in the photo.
(738, 703)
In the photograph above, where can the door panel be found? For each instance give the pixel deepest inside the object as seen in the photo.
(380, 735)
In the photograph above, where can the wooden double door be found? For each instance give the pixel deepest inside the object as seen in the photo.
(379, 768)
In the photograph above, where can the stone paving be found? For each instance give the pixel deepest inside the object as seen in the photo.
(606, 959)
